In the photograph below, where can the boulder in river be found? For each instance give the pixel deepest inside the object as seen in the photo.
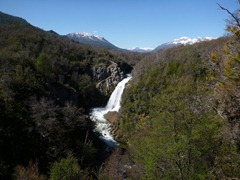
(112, 116)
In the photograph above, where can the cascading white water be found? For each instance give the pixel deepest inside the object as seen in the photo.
(97, 114)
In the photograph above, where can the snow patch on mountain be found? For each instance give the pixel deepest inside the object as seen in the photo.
(91, 39)
(86, 36)
(143, 50)
(183, 41)
(190, 41)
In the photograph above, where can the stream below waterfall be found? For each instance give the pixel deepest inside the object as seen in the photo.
(103, 127)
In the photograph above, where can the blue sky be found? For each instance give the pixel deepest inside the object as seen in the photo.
(126, 23)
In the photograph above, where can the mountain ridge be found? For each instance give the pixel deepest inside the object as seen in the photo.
(91, 39)
(182, 41)
(6, 19)
(174, 43)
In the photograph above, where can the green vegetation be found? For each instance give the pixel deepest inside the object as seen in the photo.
(171, 124)
(180, 117)
(65, 169)
(46, 89)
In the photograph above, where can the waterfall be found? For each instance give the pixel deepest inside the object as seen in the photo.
(97, 114)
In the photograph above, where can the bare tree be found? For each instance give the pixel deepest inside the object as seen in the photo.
(234, 15)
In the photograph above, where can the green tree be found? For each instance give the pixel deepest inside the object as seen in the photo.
(67, 168)
(179, 134)
(43, 65)
(175, 130)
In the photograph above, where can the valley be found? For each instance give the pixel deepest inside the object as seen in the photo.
(76, 106)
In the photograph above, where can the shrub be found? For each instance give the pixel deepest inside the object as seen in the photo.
(66, 168)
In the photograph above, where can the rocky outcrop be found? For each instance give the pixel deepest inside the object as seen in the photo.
(108, 76)
(112, 116)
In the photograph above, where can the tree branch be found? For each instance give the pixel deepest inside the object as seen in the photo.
(231, 14)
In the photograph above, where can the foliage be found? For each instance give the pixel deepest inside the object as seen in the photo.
(66, 168)
(180, 115)
(169, 118)
(46, 89)
(227, 88)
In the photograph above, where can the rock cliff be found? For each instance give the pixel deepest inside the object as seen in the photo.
(108, 76)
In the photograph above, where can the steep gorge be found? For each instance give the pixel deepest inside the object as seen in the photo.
(179, 117)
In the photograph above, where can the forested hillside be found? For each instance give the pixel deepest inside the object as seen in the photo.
(180, 115)
(47, 85)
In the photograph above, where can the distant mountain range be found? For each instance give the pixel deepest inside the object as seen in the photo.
(95, 40)
(98, 41)
(182, 41)
(176, 42)
(90, 39)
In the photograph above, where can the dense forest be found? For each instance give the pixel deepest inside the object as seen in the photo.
(180, 115)
(47, 86)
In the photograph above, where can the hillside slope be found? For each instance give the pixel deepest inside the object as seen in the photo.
(173, 123)
(47, 85)
(8, 19)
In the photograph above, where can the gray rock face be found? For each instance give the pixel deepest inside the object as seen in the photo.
(108, 77)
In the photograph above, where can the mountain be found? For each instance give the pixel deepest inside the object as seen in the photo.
(176, 42)
(182, 41)
(6, 19)
(90, 39)
(141, 50)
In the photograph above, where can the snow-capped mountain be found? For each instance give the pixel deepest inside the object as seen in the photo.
(142, 50)
(90, 39)
(182, 41)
